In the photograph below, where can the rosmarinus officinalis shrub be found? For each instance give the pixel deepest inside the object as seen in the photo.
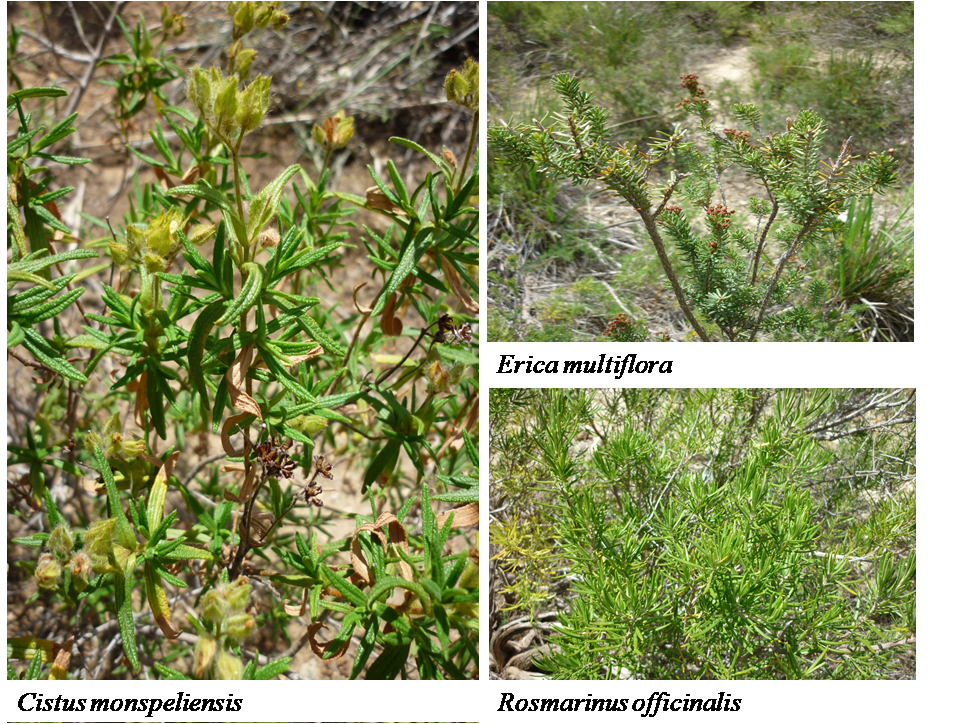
(231, 341)
(711, 533)
(742, 281)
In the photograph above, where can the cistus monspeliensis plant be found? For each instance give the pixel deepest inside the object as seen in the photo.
(211, 322)
(735, 279)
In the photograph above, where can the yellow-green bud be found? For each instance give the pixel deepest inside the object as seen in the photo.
(173, 22)
(253, 103)
(455, 87)
(112, 425)
(118, 252)
(262, 16)
(279, 20)
(239, 626)
(154, 263)
(61, 541)
(225, 105)
(244, 19)
(99, 537)
(213, 606)
(335, 133)
(91, 441)
(48, 571)
(120, 556)
(463, 87)
(130, 449)
(201, 234)
(199, 92)
(309, 424)
(237, 593)
(228, 668)
(80, 568)
(205, 652)
(243, 61)
(438, 377)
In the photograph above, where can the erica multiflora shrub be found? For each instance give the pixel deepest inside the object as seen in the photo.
(735, 273)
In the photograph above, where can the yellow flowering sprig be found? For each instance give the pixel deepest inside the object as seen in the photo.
(463, 88)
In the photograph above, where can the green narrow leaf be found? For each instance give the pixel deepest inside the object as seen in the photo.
(248, 296)
(15, 336)
(274, 668)
(123, 589)
(436, 160)
(155, 401)
(125, 535)
(41, 349)
(404, 267)
(264, 205)
(288, 381)
(58, 132)
(399, 185)
(195, 348)
(386, 459)
(45, 92)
